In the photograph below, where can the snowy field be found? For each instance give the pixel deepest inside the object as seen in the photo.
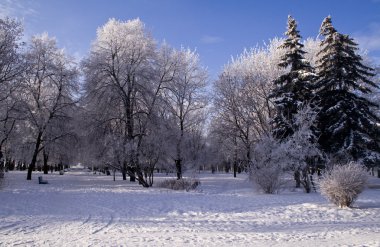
(79, 209)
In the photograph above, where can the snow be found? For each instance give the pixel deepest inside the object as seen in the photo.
(80, 209)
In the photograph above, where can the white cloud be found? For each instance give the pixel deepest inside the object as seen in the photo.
(369, 40)
(17, 8)
(208, 39)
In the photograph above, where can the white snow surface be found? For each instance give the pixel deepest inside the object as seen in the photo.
(81, 209)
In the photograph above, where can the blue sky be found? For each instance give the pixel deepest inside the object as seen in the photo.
(218, 29)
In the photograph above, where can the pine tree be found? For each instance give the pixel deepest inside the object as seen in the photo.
(348, 128)
(293, 89)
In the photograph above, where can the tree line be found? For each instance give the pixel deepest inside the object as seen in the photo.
(135, 105)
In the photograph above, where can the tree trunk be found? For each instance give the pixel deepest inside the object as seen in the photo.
(124, 170)
(306, 180)
(297, 177)
(131, 173)
(34, 158)
(235, 156)
(178, 166)
(140, 178)
(151, 177)
(235, 168)
(46, 158)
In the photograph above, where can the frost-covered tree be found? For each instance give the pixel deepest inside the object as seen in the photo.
(242, 107)
(301, 149)
(186, 101)
(294, 88)
(347, 123)
(10, 69)
(46, 91)
(116, 75)
(273, 157)
(129, 90)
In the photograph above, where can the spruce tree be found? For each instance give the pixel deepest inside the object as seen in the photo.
(348, 128)
(293, 89)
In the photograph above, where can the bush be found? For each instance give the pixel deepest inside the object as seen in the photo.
(344, 183)
(179, 184)
(268, 179)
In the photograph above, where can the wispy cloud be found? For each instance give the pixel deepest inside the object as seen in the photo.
(208, 39)
(370, 40)
(17, 8)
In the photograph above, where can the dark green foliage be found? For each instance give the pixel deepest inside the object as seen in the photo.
(293, 89)
(347, 125)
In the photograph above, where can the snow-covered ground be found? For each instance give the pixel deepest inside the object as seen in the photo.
(79, 209)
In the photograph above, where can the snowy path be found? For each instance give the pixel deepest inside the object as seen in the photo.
(81, 210)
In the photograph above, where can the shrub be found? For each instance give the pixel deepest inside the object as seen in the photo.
(179, 184)
(344, 183)
(268, 179)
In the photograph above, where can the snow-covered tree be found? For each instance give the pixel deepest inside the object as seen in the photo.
(273, 157)
(116, 75)
(294, 88)
(46, 91)
(347, 123)
(186, 101)
(10, 69)
(242, 107)
(133, 88)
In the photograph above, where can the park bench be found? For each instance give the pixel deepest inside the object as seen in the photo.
(42, 181)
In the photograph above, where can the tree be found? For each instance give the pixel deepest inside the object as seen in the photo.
(125, 78)
(185, 98)
(46, 91)
(273, 157)
(242, 107)
(10, 70)
(347, 123)
(116, 74)
(294, 88)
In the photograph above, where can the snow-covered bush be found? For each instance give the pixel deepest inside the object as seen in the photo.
(179, 184)
(344, 183)
(267, 166)
(268, 179)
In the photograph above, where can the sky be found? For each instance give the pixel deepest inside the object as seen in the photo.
(217, 29)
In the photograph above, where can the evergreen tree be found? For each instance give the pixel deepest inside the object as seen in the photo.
(348, 128)
(293, 89)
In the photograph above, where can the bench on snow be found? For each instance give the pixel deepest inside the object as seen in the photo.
(42, 181)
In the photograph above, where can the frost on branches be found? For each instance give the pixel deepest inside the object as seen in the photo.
(273, 158)
(343, 184)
